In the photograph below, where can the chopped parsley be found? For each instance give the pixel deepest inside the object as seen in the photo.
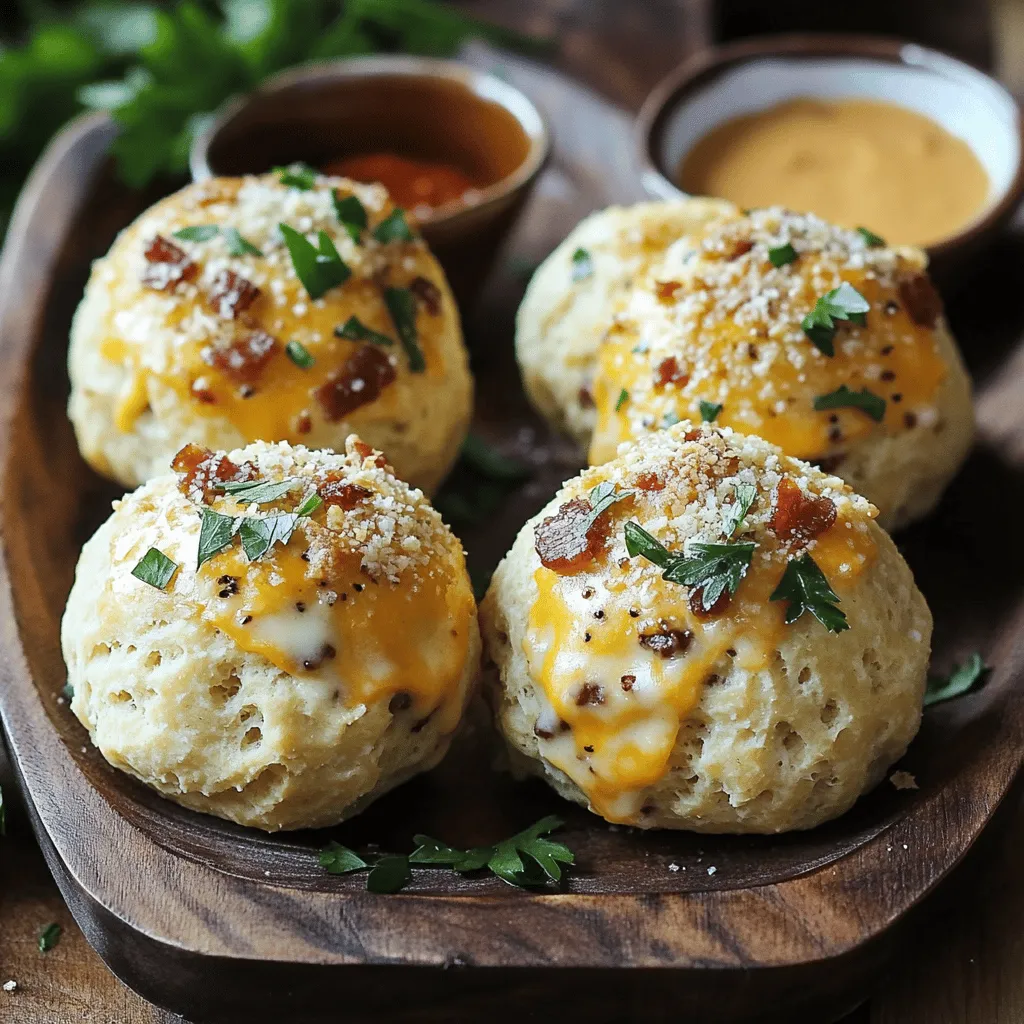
(351, 213)
(709, 411)
(670, 419)
(353, 329)
(49, 937)
(215, 533)
(237, 245)
(297, 175)
(155, 568)
(843, 398)
(713, 567)
(602, 497)
(842, 303)
(394, 228)
(873, 240)
(582, 265)
(622, 399)
(959, 681)
(319, 268)
(402, 306)
(804, 586)
(780, 255)
(299, 354)
(309, 504)
(197, 233)
(258, 536)
(736, 513)
(258, 492)
(528, 859)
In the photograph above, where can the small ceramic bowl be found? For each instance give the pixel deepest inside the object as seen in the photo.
(419, 107)
(730, 81)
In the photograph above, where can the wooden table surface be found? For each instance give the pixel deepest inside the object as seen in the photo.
(965, 967)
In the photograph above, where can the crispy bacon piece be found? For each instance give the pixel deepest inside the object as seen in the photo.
(200, 470)
(797, 516)
(667, 642)
(589, 693)
(649, 482)
(668, 371)
(364, 375)
(428, 293)
(739, 248)
(666, 290)
(567, 542)
(231, 294)
(166, 265)
(920, 299)
(244, 359)
(336, 491)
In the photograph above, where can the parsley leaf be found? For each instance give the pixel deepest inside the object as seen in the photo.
(873, 240)
(804, 586)
(318, 268)
(299, 354)
(336, 859)
(310, 503)
(843, 398)
(712, 567)
(351, 213)
(737, 511)
(602, 497)
(402, 307)
(640, 542)
(709, 411)
(237, 245)
(49, 937)
(394, 228)
(390, 874)
(155, 568)
(958, 682)
(297, 175)
(354, 329)
(582, 265)
(780, 255)
(258, 536)
(433, 852)
(670, 419)
(842, 303)
(548, 855)
(215, 533)
(258, 491)
(197, 233)
(622, 399)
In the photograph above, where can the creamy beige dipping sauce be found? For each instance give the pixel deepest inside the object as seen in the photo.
(854, 162)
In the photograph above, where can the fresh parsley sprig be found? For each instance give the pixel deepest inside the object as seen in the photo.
(844, 303)
(299, 354)
(401, 305)
(353, 329)
(843, 398)
(394, 228)
(736, 513)
(528, 859)
(601, 498)
(871, 239)
(961, 679)
(351, 213)
(806, 589)
(297, 175)
(155, 568)
(237, 245)
(319, 267)
(780, 255)
(258, 492)
(709, 411)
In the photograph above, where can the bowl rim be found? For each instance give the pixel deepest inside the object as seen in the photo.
(324, 74)
(709, 63)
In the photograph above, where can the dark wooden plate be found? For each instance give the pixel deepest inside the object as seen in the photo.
(223, 924)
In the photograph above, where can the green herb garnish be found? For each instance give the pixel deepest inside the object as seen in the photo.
(622, 399)
(197, 233)
(299, 354)
(351, 213)
(582, 265)
(780, 255)
(709, 411)
(528, 859)
(670, 419)
(842, 303)
(601, 498)
(389, 874)
(49, 937)
(155, 568)
(873, 240)
(258, 536)
(258, 492)
(736, 513)
(804, 586)
(640, 542)
(354, 329)
(237, 245)
(318, 268)
(297, 175)
(432, 852)
(402, 307)
(959, 681)
(844, 398)
(336, 859)
(394, 228)
(310, 503)
(215, 533)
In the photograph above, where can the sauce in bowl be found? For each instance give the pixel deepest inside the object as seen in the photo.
(851, 161)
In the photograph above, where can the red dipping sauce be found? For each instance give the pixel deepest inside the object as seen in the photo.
(410, 181)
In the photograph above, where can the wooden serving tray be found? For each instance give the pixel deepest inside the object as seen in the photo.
(222, 924)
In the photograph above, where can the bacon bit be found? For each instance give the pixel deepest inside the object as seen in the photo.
(740, 248)
(795, 516)
(167, 264)
(667, 642)
(201, 394)
(649, 482)
(922, 302)
(669, 371)
(585, 398)
(697, 604)
(365, 374)
(667, 290)
(243, 360)
(628, 682)
(201, 470)
(590, 693)
(691, 435)
(303, 422)
(564, 543)
(428, 293)
(231, 294)
(335, 491)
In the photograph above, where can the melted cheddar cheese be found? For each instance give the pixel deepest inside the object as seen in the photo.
(724, 328)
